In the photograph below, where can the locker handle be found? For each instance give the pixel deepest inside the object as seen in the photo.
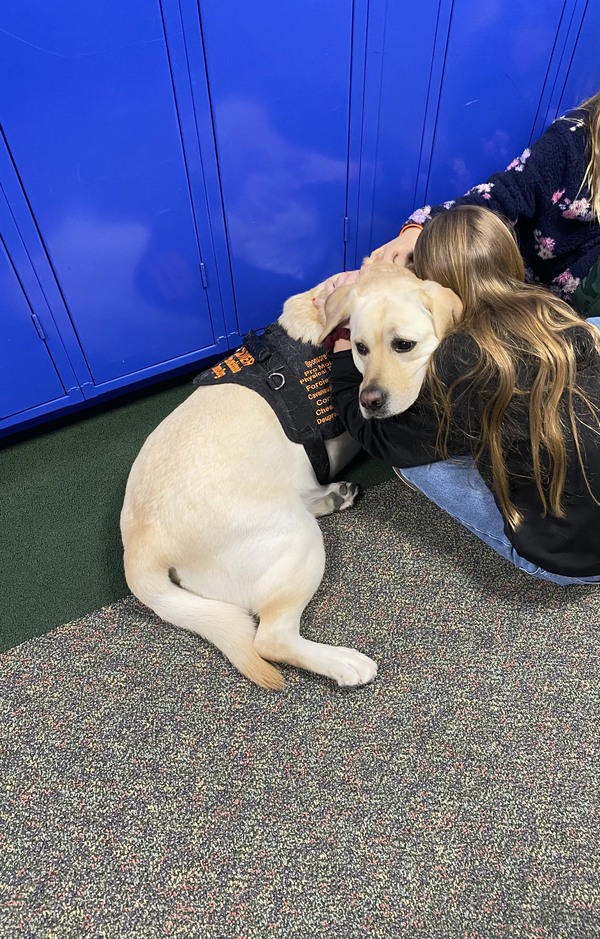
(38, 326)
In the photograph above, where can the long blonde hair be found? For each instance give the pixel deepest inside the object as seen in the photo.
(591, 178)
(472, 251)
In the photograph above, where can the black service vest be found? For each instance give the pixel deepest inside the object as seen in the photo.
(293, 377)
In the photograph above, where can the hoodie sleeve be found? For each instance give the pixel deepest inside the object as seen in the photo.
(532, 180)
(410, 438)
(405, 440)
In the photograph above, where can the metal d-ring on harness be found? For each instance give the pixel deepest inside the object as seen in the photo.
(276, 380)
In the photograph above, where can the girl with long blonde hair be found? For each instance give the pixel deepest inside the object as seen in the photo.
(508, 421)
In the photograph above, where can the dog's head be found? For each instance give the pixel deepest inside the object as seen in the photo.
(396, 322)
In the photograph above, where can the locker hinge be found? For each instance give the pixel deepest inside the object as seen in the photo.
(203, 275)
(38, 326)
(346, 228)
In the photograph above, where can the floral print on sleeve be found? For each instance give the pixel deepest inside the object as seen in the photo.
(565, 284)
(482, 189)
(541, 195)
(518, 164)
(421, 215)
(544, 245)
(578, 208)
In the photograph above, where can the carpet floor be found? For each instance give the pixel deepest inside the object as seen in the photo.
(148, 790)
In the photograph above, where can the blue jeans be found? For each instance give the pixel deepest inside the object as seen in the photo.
(458, 488)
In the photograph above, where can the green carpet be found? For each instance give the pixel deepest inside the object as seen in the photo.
(150, 791)
(62, 488)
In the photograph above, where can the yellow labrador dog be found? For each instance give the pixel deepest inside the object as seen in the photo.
(219, 519)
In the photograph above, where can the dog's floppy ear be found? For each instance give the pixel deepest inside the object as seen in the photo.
(444, 305)
(337, 308)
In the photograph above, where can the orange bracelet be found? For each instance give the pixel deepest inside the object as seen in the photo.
(410, 225)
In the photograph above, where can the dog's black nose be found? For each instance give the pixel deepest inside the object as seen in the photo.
(372, 399)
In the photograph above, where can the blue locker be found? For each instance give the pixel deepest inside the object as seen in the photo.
(387, 132)
(24, 356)
(455, 91)
(580, 73)
(496, 64)
(35, 373)
(279, 84)
(92, 127)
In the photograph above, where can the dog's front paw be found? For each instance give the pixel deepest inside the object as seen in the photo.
(344, 495)
(352, 669)
(333, 498)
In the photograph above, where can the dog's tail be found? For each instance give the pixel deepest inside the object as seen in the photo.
(230, 628)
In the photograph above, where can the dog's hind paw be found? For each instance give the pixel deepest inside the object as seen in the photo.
(352, 669)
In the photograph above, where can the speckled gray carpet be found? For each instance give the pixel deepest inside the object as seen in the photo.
(150, 791)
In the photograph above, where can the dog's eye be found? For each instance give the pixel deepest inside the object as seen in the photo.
(402, 345)
(361, 348)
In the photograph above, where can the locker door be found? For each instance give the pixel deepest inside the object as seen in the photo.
(454, 90)
(279, 82)
(90, 118)
(582, 78)
(35, 375)
(28, 375)
(399, 68)
(495, 67)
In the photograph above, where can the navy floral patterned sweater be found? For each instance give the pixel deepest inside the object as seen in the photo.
(540, 194)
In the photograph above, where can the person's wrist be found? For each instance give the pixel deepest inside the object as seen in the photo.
(341, 334)
(410, 225)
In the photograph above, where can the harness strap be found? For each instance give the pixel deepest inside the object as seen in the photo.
(312, 440)
(316, 452)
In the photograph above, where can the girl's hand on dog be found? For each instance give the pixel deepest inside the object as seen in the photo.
(338, 280)
(399, 250)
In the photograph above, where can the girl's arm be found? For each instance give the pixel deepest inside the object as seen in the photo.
(406, 440)
(410, 438)
(554, 163)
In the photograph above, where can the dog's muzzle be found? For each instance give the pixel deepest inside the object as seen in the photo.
(373, 401)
